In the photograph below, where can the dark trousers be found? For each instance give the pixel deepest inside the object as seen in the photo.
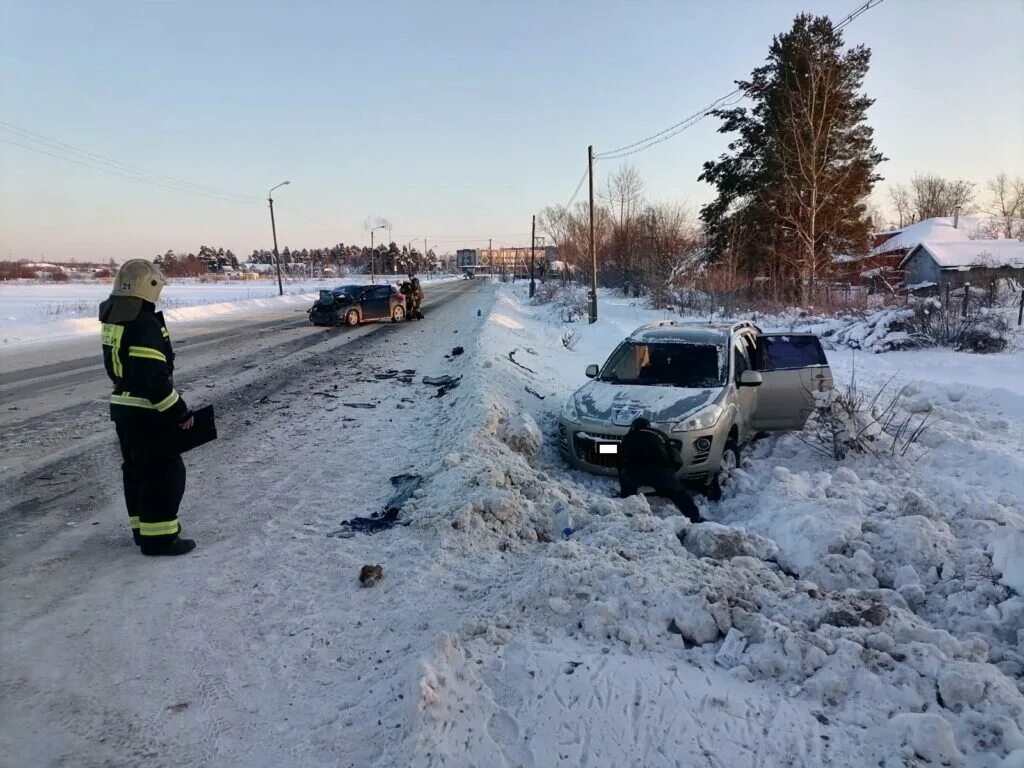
(664, 482)
(154, 479)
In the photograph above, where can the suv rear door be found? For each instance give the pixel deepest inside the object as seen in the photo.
(793, 366)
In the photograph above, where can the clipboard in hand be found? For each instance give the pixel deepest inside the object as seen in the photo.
(203, 431)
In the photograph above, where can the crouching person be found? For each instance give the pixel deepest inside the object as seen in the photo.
(146, 409)
(648, 458)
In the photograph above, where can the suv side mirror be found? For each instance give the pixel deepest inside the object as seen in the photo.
(751, 379)
(592, 371)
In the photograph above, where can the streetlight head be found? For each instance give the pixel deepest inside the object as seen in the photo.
(285, 182)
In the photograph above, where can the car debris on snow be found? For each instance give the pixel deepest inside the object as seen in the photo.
(443, 383)
(405, 486)
(369, 575)
(359, 405)
(512, 358)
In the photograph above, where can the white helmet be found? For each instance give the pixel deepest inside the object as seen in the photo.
(139, 278)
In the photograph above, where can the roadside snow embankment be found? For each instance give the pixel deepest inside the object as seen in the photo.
(879, 598)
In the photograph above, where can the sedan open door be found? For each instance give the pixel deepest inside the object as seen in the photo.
(793, 366)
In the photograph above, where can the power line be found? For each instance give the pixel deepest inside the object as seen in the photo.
(723, 101)
(68, 152)
(124, 175)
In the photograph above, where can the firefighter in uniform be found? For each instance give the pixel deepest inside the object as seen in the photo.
(145, 408)
(417, 299)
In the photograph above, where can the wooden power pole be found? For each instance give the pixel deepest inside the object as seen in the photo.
(533, 247)
(593, 245)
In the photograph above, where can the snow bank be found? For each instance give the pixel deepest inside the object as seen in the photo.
(879, 598)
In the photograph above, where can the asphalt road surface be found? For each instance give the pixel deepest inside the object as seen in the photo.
(59, 447)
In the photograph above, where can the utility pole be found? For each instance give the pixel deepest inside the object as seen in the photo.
(593, 246)
(490, 255)
(430, 267)
(273, 228)
(533, 248)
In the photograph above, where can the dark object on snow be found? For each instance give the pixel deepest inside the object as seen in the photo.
(512, 357)
(360, 405)
(405, 486)
(456, 351)
(203, 431)
(535, 393)
(443, 383)
(370, 575)
(648, 458)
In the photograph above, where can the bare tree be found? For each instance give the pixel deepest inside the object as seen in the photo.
(900, 198)
(932, 196)
(623, 197)
(1006, 203)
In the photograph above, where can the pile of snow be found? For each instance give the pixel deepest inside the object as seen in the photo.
(881, 331)
(879, 598)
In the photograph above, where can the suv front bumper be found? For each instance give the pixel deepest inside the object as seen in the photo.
(581, 445)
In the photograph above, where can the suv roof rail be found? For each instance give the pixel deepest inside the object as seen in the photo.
(655, 324)
(744, 324)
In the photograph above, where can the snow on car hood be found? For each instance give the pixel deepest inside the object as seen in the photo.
(621, 403)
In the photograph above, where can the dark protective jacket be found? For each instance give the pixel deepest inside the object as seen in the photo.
(647, 449)
(139, 360)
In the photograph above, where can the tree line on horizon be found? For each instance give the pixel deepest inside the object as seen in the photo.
(341, 258)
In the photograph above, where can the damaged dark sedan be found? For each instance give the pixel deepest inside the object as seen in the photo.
(354, 304)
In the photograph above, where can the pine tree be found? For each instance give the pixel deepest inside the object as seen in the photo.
(793, 188)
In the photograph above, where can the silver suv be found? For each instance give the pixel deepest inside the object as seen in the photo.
(710, 388)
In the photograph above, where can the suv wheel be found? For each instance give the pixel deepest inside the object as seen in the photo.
(352, 318)
(398, 314)
(730, 461)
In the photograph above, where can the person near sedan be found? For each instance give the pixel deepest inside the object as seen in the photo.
(417, 299)
(648, 458)
(146, 409)
(406, 289)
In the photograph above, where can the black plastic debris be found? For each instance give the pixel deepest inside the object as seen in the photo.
(535, 393)
(512, 358)
(456, 351)
(443, 383)
(360, 405)
(405, 486)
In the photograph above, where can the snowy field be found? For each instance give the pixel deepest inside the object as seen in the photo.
(36, 311)
(881, 597)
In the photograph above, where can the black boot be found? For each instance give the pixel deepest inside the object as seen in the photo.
(176, 546)
(137, 537)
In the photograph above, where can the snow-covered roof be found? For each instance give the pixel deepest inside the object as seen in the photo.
(933, 231)
(973, 253)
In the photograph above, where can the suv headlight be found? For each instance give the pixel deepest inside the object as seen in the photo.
(705, 418)
(569, 409)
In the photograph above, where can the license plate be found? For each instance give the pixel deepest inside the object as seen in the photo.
(608, 448)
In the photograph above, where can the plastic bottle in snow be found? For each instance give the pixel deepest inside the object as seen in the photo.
(563, 521)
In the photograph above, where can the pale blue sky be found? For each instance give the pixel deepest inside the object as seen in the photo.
(452, 119)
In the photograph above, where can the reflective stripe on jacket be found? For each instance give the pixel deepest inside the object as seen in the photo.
(139, 360)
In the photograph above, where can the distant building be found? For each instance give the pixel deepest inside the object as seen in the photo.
(883, 264)
(515, 259)
(940, 264)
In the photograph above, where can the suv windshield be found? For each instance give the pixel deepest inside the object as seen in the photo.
(673, 364)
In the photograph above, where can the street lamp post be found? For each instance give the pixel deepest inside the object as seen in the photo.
(273, 228)
(373, 276)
